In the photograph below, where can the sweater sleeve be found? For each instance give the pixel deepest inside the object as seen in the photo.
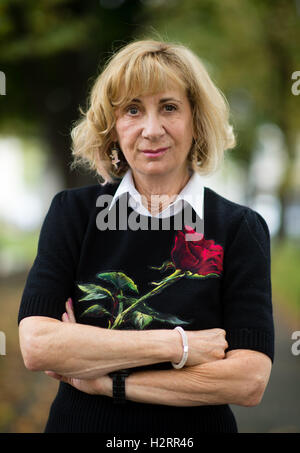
(246, 287)
(51, 277)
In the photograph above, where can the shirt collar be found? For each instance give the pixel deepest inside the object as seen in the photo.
(192, 193)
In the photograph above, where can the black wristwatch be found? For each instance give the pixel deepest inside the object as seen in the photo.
(118, 378)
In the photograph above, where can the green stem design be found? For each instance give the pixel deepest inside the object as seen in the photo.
(171, 279)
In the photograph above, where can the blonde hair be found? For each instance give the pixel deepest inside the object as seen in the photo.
(146, 67)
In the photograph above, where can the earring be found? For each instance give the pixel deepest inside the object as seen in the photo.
(194, 154)
(115, 155)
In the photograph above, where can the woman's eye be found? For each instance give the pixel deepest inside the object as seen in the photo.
(132, 110)
(170, 107)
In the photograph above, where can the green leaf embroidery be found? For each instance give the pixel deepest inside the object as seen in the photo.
(95, 292)
(126, 308)
(140, 320)
(189, 274)
(120, 281)
(165, 266)
(125, 300)
(96, 310)
(163, 317)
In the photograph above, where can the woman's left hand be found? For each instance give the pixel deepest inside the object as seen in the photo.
(90, 386)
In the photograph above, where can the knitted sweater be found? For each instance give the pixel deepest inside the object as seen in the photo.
(221, 280)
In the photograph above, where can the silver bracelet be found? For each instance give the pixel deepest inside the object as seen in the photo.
(185, 348)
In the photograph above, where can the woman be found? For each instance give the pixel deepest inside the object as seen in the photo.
(169, 314)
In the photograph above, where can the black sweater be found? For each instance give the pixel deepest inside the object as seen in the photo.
(221, 281)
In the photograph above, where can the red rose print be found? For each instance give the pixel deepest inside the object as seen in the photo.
(200, 256)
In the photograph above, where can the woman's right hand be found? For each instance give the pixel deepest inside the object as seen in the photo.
(204, 346)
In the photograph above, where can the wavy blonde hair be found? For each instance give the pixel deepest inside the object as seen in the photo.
(147, 67)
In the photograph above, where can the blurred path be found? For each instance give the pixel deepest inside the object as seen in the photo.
(25, 397)
(279, 410)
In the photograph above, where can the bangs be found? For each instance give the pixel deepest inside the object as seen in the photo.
(145, 75)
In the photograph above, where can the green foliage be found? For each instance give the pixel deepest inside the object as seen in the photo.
(49, 51)
(17, 246)
(41, 29)
(285, 272)
(250, 49)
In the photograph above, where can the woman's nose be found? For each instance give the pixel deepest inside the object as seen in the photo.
(152, 126)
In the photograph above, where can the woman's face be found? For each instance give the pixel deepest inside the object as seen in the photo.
(155, 132)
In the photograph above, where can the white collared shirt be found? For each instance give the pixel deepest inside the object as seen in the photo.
(192, 193)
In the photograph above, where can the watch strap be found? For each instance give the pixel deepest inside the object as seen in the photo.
(118, 385)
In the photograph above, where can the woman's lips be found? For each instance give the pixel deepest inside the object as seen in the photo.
(154, 153)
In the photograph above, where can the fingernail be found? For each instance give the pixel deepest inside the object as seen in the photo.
(65, 315)
(70, 302)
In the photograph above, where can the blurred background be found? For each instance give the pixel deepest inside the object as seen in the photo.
(50, 53)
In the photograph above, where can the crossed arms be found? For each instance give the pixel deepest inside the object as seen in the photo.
(83, 355)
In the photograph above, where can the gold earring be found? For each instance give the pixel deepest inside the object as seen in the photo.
(115, 155)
